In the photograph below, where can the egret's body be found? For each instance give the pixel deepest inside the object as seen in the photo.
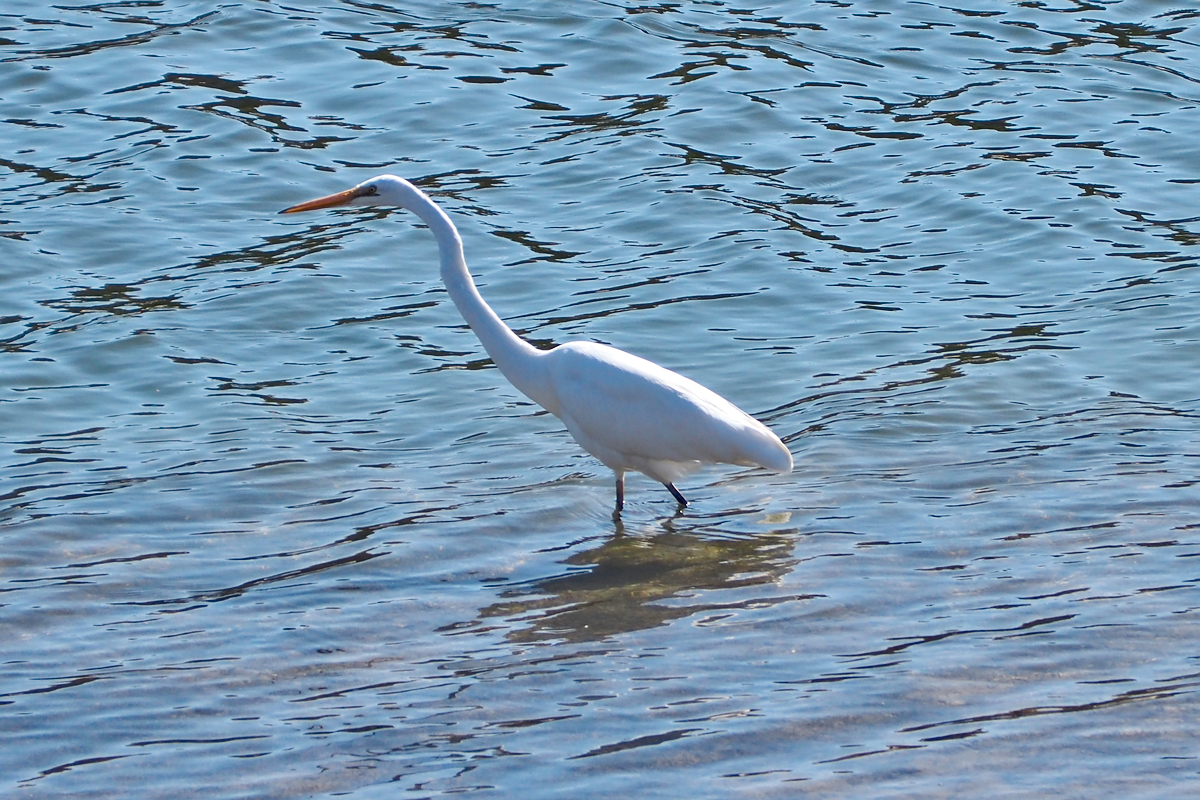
(629, 413)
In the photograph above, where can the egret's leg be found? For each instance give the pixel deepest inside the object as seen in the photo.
(682, 500)
(620, 490)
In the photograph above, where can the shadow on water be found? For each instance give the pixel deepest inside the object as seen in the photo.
(639, 581)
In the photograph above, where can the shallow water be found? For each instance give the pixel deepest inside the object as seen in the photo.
(273, 526)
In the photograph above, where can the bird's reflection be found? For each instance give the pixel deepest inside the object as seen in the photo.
(620, 586)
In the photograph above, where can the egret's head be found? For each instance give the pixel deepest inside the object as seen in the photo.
(382, 190)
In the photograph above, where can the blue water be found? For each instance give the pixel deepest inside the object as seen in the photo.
(273, 526)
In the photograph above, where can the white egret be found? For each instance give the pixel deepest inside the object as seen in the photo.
(626, 411)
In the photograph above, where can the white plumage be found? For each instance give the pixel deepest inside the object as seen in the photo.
(630, 413)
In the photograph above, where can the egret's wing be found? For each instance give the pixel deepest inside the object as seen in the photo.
(617, 403)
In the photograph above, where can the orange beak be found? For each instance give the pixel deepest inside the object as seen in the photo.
(328, 201)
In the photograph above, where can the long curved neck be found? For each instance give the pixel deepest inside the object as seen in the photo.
(521, 362)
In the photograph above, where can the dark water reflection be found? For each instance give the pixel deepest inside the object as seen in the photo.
(272, 525)
(627, 583)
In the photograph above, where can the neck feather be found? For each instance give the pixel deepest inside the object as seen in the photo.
(520, 362)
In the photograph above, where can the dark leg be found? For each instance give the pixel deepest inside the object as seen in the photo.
(620, 492)
(682, 500)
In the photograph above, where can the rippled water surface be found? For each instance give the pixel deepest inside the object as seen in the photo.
(272, 526)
